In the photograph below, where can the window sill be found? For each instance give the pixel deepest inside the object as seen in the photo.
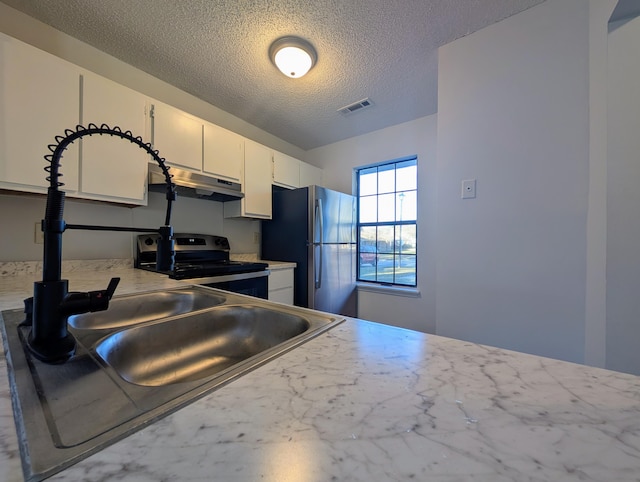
(408, 291)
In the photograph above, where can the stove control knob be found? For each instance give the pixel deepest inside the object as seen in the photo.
(217, 242)
(148, 241)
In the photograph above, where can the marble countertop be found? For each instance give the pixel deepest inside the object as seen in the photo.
(369, 402)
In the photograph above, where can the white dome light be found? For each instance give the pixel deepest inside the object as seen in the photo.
(293, 56)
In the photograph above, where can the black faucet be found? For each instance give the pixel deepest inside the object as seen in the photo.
(52, 304)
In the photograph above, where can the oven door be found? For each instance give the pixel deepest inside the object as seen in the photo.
(252, 284)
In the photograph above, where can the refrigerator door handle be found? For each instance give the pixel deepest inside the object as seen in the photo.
(318, 267)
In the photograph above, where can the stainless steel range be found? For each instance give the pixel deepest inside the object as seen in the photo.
(203, 259)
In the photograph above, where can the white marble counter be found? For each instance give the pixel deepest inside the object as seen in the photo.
(16, 279)
(369, 402)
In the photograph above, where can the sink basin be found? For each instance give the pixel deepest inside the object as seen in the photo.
(148, 355)
(134, 309)
(196, 346)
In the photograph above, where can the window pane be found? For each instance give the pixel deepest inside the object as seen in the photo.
(367, 273)
(368, 209)
(385, 268)
(386, 208)
(406, 270)
(368, 181)
(406, 206)
(407, 238)
(406, 176)
(386, 179)
(368, 235)
(385, 239)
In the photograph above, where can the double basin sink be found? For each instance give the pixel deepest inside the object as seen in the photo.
(146, 356)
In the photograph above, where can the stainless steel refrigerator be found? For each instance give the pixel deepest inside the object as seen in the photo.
(315, 227)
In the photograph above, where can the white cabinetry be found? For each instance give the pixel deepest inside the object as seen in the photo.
(310, 175)
(286, 170)
(39, 99)
(113, 168)
(177, 136)
(223, 153)
(41, 96)
(281, 285)
(256, 184)
(291, 173)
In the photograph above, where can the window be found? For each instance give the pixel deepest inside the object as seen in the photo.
(387, 215)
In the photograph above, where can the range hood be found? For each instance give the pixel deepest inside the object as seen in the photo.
(191, 184)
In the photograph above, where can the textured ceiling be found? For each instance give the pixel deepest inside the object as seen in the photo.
(217, 50)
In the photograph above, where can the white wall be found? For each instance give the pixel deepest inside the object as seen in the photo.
(596, 283)
(623, 198)
(513, 113)
(338, 161)
(19, 214)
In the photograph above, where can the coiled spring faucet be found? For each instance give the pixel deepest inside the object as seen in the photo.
(49, 339)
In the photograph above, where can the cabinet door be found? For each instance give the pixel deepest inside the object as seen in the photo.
(310, 175)
(39, 99)
(223, 153)
(257, 181)
(177, 136)
(281, 286)
(286, 170)
(113, 168)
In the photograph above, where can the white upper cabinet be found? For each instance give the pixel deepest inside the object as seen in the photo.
(113, 167)
(177, 136)
(310, 175)
(39, 99)
(286, 170)
(256, 184)
(291, 173)
(257, 180)
(42, 96)
(223, 153)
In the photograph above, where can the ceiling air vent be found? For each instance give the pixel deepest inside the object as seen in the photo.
(356, 106)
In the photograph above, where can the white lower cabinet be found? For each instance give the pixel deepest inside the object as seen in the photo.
(281, 285)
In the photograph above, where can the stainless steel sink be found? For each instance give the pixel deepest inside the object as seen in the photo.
(148, 355)
(198, 346)
(141, 307)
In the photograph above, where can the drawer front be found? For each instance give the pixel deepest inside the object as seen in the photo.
(282, 296)
(281, 278)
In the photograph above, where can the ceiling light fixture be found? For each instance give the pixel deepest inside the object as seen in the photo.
(293, 56)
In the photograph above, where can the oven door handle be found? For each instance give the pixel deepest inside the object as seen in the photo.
(223, 278)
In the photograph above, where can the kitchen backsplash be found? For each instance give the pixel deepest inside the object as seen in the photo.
(20, 214)
(23, 268)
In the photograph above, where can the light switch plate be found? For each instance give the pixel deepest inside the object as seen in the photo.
(469, 189)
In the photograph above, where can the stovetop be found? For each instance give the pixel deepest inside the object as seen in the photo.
(197, 255)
